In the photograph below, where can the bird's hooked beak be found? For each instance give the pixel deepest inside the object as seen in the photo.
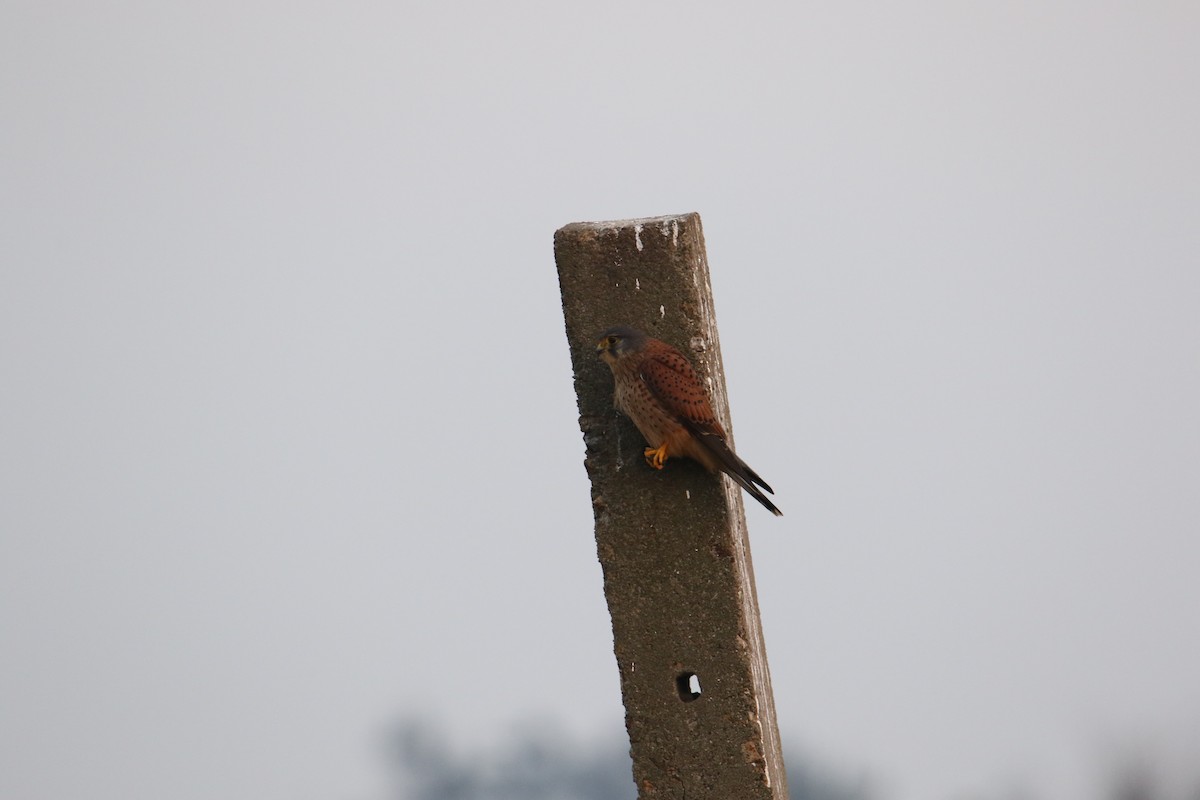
(606, 349)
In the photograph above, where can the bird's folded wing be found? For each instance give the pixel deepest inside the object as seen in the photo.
(673, 382)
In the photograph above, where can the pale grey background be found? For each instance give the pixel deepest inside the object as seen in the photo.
(288, 436)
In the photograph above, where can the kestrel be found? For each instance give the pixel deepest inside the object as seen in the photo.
(656, 387)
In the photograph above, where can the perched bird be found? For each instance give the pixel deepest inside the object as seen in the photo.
(656, 387)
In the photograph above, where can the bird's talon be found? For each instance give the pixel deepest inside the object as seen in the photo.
(656, 456)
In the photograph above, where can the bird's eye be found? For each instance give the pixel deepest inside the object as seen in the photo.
(611, 341)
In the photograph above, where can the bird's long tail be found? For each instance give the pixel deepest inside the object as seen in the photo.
(737, 469)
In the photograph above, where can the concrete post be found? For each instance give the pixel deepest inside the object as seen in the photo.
(672, 543)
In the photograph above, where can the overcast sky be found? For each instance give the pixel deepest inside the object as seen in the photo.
(288, 441)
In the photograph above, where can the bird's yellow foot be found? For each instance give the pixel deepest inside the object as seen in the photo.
(656, 456)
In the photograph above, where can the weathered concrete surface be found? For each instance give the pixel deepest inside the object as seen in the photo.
(672, 543)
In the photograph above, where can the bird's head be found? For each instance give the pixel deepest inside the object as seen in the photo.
(617, 342)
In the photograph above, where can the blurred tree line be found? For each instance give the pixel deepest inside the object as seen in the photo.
(538, 762)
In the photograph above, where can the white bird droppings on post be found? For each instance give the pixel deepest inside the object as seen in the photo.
(637, 283)
(688, 492)
(637, 236)
(662, 312)
(670, 227)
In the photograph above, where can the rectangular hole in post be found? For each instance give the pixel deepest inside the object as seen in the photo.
(688, 685)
